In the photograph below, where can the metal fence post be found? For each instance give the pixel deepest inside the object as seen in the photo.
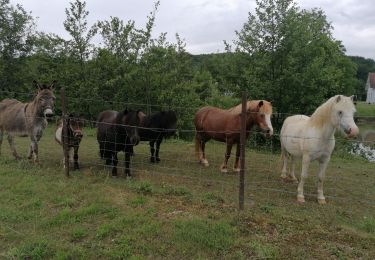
(64, 133)
(242, 151)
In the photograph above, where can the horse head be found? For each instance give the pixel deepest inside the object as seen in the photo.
(129, 121)
(342, 115)
(75, 124)
(45, 98)
(263, 116)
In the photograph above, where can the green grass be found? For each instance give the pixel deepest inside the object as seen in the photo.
(179, 209)
(364, 109)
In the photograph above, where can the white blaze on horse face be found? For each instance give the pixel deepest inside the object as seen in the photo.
(268, 121)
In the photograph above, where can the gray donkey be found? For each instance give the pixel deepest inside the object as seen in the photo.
(27, 119)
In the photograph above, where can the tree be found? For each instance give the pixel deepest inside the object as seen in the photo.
(76, 25)
(16, 42)
(293, 59)
(81, 49)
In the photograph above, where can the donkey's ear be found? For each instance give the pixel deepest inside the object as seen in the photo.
(338, 99)
(36, 84)
(260, 103)
(53, 84)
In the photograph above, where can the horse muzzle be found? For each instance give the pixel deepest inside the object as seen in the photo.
(268, 132)
(351, 131)
(78, 134)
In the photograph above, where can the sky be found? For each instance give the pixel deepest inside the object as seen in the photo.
(205, 24)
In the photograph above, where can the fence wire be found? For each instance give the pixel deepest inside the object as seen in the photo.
(179, 165)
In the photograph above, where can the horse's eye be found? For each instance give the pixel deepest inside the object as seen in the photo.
(340, 113)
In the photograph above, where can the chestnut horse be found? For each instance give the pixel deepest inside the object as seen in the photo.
(224, 126)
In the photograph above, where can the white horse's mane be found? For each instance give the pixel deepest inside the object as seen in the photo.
(323, 112)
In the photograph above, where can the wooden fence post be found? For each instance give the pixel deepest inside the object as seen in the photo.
(64, 133)
(242, 151)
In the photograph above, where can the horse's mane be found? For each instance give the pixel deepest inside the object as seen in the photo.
(251, 106)
(323, 112)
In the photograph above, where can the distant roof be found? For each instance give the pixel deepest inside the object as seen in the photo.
(371, 77)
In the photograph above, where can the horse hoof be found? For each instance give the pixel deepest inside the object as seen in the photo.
(300, 200)
(157, 160)
(322, 201)
(204, 163)
(152, 160)
(283, 176)
(224, 170)
(236, 169)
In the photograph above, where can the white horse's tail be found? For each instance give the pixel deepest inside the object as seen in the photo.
(284, 154)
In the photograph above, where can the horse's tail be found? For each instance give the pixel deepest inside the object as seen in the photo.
(284, 154)
(197, 146)
(101, 151)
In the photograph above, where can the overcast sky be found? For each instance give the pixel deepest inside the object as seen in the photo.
(204, 24)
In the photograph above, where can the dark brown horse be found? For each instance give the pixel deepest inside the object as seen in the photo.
(27, 119)
(74, 137)
(156, 127)
(224, 126)
(116, 132)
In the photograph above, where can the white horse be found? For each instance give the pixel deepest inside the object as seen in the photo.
(312, 138)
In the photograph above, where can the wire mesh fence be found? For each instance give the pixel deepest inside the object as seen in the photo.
(349, 177)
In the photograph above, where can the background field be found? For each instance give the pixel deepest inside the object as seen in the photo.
(177, 209)
(365, 110)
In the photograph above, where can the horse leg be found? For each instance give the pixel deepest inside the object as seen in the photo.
(203, 158)
(114, 160)
(305, 167)
(76, 164)
(34, 147)
(224, 168)
(284, 158)
(321, 175)
(152, 151)
(12, 147)
(199, 149)
(292, 175)
(236, 164)
(30, 152)
(127, 164)
(158, 142)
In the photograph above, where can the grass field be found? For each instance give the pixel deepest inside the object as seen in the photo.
(179, 210)
(364, 109)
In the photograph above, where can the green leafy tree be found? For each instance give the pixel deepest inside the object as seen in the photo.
(16, 42)
(293, 59)
(80, 51)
